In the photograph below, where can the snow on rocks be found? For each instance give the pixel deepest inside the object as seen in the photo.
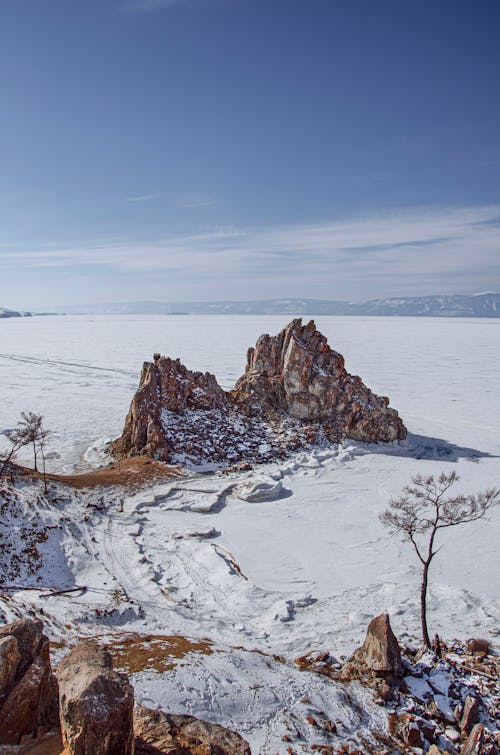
(432, 700)
(295, 393)
(260, 489)
(163, 732)
(96, 703)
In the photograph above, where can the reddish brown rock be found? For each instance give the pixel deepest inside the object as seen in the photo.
(380, 651)
(298, 372)
(295, 392)
(165, 384)
(29, 697)
(96, 703)
(9, 662)
(158, 732)
(470, 714)
(28, 633)
(473, 743)
(476, 645)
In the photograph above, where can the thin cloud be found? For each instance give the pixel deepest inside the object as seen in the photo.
(141, 198)
(195, 200)
(399, 253)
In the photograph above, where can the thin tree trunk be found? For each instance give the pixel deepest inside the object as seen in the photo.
(44, 471)
(423, 607)
(34, 455)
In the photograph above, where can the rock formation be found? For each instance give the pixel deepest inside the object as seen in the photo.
(380, 651)
(166, 387)
(28, 689)
(298, 372)
(295, 392)
(157, 732)
(96, 703)
(95, 715)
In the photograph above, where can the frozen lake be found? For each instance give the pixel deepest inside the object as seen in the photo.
(81, 372)
(314, 566)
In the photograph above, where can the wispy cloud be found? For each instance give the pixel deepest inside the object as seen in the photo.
(141, 198)
(426, 251)
(195, 200)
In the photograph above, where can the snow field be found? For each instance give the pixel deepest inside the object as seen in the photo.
(284, 558)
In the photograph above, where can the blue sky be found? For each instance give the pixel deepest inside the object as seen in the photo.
(208, 149)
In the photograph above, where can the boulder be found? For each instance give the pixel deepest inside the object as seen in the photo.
(380, 650)
(158, 732)
(96, 703)
(28, 633)
(379, 655)
(9, 662)
(295, 392)
(28, 698)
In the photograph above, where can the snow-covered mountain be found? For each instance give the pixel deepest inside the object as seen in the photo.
(442, 305)
(4, 312)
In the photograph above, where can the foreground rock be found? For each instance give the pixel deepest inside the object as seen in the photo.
(96, 703)
(379, 655)
(158, 732)
(295, 392)
(446, 703)
(28, 689)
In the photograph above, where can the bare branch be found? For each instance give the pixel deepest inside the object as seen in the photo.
(423, 509)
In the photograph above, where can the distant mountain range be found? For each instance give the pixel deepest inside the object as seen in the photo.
(441, 305)
(4, 312)
(446, 305)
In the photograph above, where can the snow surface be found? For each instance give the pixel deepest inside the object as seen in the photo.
(286, 558)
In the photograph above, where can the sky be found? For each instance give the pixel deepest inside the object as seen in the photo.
(183, 150)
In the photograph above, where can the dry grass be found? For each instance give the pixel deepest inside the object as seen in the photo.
(126, 472)
(159, 653)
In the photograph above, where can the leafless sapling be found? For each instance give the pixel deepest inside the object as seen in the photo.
(32, 431)
(422, 510)
(29, 432)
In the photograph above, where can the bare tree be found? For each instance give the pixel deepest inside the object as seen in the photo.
(29, 432)
(32, 432)
(422, 510)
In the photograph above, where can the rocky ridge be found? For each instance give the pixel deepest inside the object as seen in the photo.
(295, 392)
(89, 708)
(439, 700)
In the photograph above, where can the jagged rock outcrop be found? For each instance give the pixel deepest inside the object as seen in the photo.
(295, 392)
(298, 372)
(96, 703)
(165, 387)
(158, 732)
(28, 689)
(380, 651)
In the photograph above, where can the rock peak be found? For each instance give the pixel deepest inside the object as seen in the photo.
(295, 391)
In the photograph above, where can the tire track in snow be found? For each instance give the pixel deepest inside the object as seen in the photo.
(124, 558)
(59, 363)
